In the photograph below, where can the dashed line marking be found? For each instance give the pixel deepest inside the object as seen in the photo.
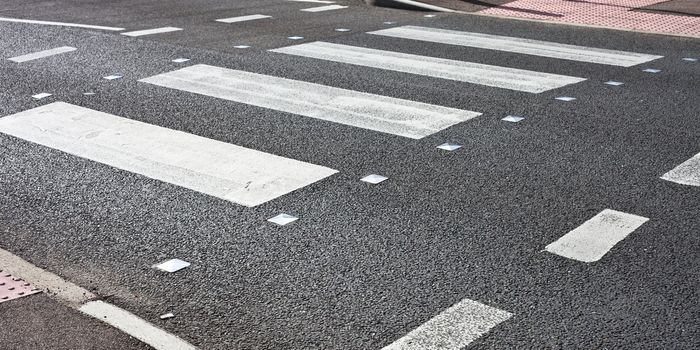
(42, 54)
(62, 24)
(595, 237)
(324, 8)
(452, 329)
(687, 173)
(151, 31)
(242, 18)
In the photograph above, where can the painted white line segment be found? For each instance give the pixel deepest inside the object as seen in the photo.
(425, 6)
(62, 24)
(374, 179)
(283, 219)
(172, 265)
(50, 283)
(315, 1)
(687, 173)
(614, 83)
(151, 31)
(219, 169)
(242, 18)
(519, 45)
(513, 119)
(452, 329)
(324, 8)
(41, 95)
(482, 74)
(363, 110)
(595, 237)
(42, 54)
(134, 326)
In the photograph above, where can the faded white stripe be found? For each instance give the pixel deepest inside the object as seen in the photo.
(134, 326)
(219, 169)
(324, 8)
(595, 237)
(242, 18)
(42, 54)
(374, 112)
(482, 74)
(62, 24)
(152, 31)
(453, 329)
(687, 173)
(519, 45)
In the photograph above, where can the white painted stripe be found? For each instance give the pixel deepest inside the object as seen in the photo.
(374, 112)
(42, 54)
(324, 8)
(63, 24)
(315, 1)
(73, 295)
(134, 326)
(495, 76)
(48, 282)
(152, 31)
(453, 329)
(519, 45)
(595, 237)
(219, 169)
(425, 6)
(242, 18)
(687, 173)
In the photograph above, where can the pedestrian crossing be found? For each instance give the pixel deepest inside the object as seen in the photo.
(249, 177)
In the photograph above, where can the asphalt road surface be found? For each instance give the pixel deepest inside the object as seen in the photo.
(456, 249)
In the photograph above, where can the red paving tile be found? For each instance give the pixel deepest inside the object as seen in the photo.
(606, 13)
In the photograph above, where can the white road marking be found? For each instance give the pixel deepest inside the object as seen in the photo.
(134, 326)
(595, 237)
(374, 112)
(242, 18)
(519, 45)
(425, 6)
(41, 95)
(216, 168)
(42, 54)
(482, 74)
(315, 1)
(75, 296)
(62, 24)
(687, 173)
(50, 283)
(151, 31)
(452, 329)
(324, 8)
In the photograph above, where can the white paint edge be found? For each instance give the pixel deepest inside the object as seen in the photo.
(134, 326)
(452, 329)
(62, 24)
(426, 6)
(42, 54)
(151, 31)
(687, 173)
(242, 18)
(593, 239)
(324, 8)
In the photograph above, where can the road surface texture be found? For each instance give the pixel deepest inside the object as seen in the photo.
(573, 223)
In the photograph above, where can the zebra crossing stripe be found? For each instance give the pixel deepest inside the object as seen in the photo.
(42, 54)
(242, 18)
(519, 45)
(687, 173)
(475, 73)
(595, 237)
(453, 329)
(324, 8)
(216, 168)
(374, 112)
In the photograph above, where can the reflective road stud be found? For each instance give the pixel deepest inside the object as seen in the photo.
(374, 179)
